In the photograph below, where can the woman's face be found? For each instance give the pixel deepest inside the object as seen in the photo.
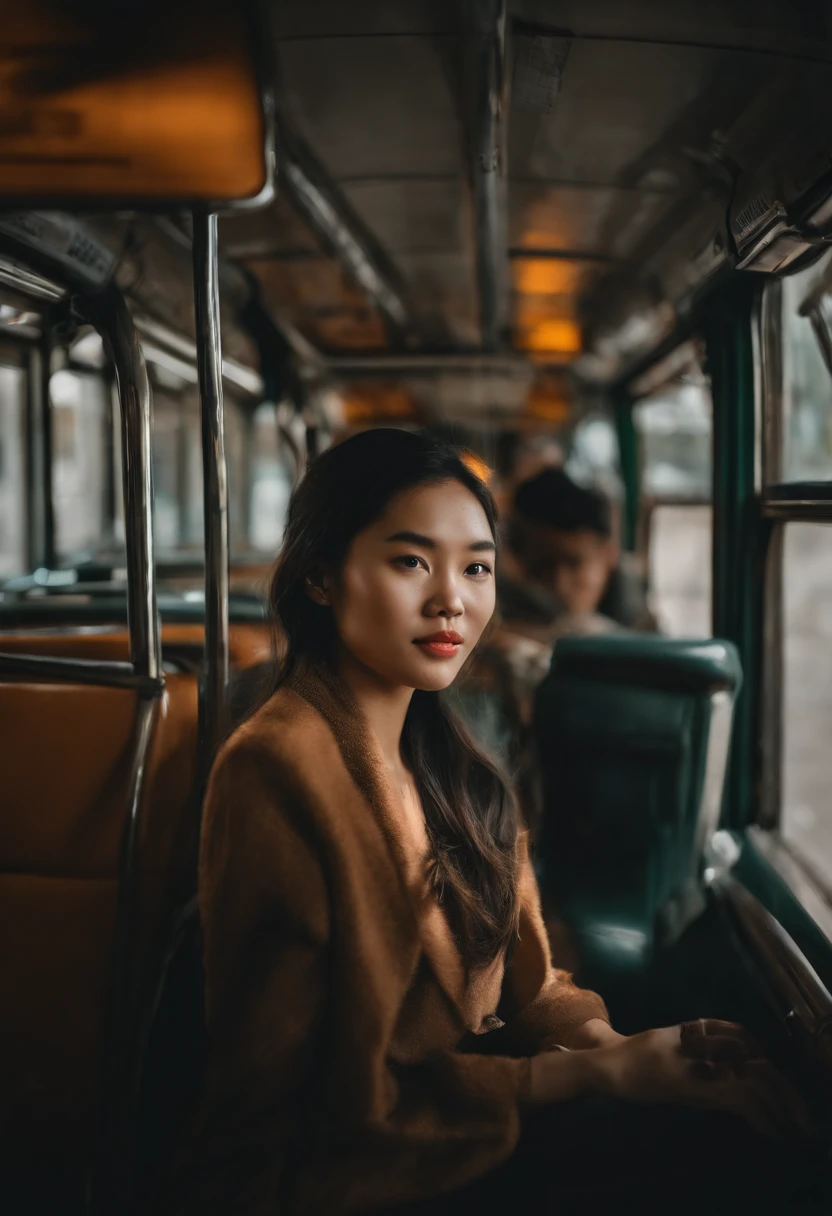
(416, 588)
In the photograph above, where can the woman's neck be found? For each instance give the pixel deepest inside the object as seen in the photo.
(384, 705)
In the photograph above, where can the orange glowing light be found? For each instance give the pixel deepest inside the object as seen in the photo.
(545, 276)
(553, 336)
(378, 402)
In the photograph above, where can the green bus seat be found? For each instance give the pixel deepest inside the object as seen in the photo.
(633, 735)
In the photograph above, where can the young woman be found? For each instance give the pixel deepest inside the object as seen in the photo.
(383, 1012)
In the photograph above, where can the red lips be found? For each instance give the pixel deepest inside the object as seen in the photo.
(448, 636)
(442, 645)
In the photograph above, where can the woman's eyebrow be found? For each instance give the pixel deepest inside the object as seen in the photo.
(416, 538)
(413, 538)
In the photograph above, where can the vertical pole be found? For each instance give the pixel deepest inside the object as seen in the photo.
(39, 519)
(112, 1174)
(628, 455)
(247, 483)
(489, 166)
(215, 483)
(737, 540)
(183, 472)
(115, 323)
(109, 428)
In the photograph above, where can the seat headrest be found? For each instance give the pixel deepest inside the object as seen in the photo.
(695, 665)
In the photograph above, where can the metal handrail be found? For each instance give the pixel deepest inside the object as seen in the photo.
(799, 993)
(215, 485)
(111, 316)
(52, 669)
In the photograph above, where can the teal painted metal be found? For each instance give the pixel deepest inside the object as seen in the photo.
(628, 730)
(737, 541)
(628, 456)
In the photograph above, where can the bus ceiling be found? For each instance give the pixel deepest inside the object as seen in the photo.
(544, 181)
(482, 211)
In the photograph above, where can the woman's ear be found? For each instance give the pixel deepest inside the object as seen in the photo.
(317, 585)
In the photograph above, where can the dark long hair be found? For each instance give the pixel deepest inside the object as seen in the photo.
(470, 811)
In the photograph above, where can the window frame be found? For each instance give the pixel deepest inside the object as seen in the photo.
(781, 502)
(689, 353)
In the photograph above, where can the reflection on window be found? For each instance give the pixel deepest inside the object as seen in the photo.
(12, 487)
(806, 817)
(80, 418)
(674, 430)
(807, 385)
(680, 569)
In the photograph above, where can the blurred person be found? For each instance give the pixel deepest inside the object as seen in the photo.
(569, 574)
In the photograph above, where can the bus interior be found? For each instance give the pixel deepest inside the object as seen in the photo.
(596, 235)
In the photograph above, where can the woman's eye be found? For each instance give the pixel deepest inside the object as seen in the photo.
(409, 561)
(478, 569)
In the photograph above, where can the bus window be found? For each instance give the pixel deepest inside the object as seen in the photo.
(272, 479)
(167, 475)
(806, 418)
(12, 488)
(674, 433)
(80, 422)
(236, 443)
(806, 764)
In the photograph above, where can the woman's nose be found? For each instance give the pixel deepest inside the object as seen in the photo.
(446, 600)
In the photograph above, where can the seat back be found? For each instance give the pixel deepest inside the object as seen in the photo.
(63, 800)
(633, 735)
(171, 1062)
(67, 753)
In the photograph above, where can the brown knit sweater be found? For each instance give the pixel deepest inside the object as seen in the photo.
(338, 1007)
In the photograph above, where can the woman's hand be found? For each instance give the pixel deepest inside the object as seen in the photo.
(707, 1064)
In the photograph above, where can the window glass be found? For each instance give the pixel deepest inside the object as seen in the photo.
(593, 458)
(272, 479)
(236, 454)
(806, 815)
(12, 484)
(674, 431)
(680, 569)
(166, 471)
(806, 423)
(80, 418)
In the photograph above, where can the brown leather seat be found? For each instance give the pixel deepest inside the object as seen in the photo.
(248, 644)
(63, 798)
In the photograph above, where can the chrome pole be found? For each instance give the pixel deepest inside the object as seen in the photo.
(111, 317)
(215, 483)
(489, 167)
(40, 541)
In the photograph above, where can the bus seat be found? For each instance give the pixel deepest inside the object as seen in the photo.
(248, 643)
(171, 1066)
(62, 808)
(633, 734)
